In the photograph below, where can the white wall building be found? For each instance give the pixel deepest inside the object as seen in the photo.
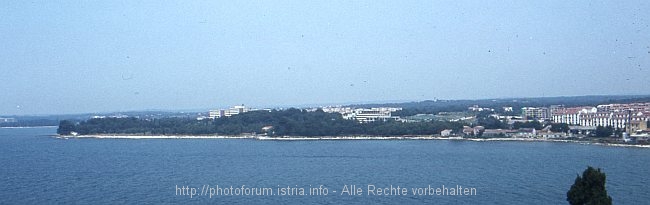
(228, 112)
(536, 113)
(476, 108)
(571, 116)
(614, 115)
(364, 114)
(446, 133)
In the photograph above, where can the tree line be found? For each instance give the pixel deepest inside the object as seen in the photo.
(290, 122)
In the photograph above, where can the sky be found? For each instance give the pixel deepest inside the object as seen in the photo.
(63, 57)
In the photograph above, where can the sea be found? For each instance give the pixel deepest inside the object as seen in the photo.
(38, 168)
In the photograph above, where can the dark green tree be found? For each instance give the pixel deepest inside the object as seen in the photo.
(589, 189)
(65, 127)
(530, 124)
(618, 132)
(491, 123)
(604, 131)
(559, 127)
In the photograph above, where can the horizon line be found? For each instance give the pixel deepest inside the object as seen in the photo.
(312, 105)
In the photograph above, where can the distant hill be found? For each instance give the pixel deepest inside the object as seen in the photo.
(53, 120)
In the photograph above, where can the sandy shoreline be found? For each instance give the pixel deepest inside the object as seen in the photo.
(299, 138)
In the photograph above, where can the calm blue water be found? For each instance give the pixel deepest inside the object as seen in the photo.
(39, 169)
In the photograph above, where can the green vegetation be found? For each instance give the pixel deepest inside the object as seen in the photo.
(291, 122)
(65, 127)
(484, 119)
(589, 189)
(559, 127)
(530, 124)
(604, 131)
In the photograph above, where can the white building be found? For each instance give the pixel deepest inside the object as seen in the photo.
(613, 115)
(228, 112)
(535, 113)
(364, 114)
(341, 110)
(571, 116)
(476, 108)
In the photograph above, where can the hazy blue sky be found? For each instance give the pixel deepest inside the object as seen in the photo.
(93, 56)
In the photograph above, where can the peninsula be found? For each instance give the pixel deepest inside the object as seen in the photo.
(620, 121)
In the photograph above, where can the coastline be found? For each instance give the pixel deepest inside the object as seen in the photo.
(29, 127)
(303, 138)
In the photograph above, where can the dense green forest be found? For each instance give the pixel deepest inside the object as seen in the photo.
(291, 122)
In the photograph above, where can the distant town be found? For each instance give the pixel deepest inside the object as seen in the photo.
(616, 119)
(629, 122)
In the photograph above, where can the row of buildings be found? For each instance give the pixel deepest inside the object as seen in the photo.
(631, 121)
(364, 115)
(630, 117)
(545, 133)
(360, 114)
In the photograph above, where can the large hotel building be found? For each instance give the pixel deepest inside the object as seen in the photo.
(635, 115)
